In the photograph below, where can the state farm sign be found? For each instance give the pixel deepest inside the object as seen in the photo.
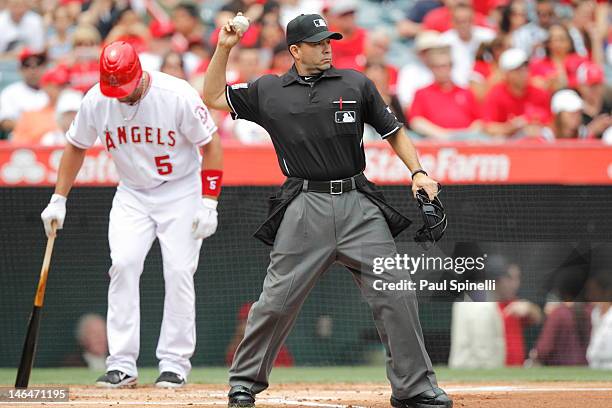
(39, 167)
(447, 165)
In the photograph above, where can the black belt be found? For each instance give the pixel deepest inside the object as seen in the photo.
(333, 186)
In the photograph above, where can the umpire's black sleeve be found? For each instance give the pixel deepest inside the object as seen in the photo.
(377, 113)
(243, 100)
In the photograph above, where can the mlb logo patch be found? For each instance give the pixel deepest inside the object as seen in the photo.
(319, 22)
(345, 116)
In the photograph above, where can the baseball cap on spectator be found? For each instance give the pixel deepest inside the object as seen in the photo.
(588, 73)
(310, 28)
(29, 57)
(427, 40)
(161, 28)
(566, 100)
(68, 101)
(512, 58)
(341, 7)
(57, 75)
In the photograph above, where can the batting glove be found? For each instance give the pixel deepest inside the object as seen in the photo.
(55, 211)
(205, 219)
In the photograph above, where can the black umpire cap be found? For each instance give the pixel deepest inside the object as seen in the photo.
(310, 28)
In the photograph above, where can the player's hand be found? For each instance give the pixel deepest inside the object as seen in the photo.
(55, 211)
(205, 219)
(421, 181)
(229, 36)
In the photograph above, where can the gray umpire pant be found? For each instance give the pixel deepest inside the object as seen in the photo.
(317, 230)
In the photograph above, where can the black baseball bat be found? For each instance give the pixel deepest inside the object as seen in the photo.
(29, 346)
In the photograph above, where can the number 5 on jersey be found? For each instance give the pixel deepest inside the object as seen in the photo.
(163, 164)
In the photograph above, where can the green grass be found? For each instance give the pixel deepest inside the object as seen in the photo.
(218, 375)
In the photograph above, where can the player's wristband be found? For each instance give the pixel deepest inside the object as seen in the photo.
(211, 182)
(417, 171)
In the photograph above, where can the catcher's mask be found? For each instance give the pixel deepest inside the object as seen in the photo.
(434, 219)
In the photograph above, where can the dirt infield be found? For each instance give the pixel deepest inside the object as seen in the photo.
(498, 395)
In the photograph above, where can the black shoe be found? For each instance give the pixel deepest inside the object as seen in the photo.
(240, 397)
(434, 398)
(116, 379)
(168, 379)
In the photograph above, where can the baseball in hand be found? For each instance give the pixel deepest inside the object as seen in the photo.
(241, 23)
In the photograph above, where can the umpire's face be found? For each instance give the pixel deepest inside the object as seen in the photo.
(312, 57)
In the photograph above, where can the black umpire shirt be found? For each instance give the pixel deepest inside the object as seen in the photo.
(316, 126)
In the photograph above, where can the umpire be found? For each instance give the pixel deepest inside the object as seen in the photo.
(326, 211)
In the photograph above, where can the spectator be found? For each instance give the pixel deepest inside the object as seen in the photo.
(514, 16)
(172, 64)
(284, 358)
(101, 14)
(376, 48)
(271, 35)
(32, 125)
(82, 64)
(93, 346)
(465, 39)
(599, 352)
(187, 25)
(487, 72)
(59, 35)
(561, 61)
(21, 28)
(531, 37)
(130, 28)
(597, 98)
(565, 335)
(587, 37)
(66, 109)
(160, 44)
(248, 65)
(477, 336)
(516, 313)
(411, 25)
(440, 19)
(24, 95)
(281, 60)
(460, 115)
(417, 75)
(379, 75)
(514, 107)
(348, 52)
(566, 107)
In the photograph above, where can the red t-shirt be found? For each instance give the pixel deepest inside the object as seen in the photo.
(450, 109)
(440, 19)
(515, 343)
(346, 52)
(546, 68)
(501, 105)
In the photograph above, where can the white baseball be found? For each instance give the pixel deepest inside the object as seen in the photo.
(241, 23)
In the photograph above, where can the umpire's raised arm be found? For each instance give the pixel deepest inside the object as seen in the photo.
(215, 82)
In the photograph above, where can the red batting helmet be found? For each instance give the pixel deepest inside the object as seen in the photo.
(120, 70)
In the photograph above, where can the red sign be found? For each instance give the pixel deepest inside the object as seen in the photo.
(451, 163)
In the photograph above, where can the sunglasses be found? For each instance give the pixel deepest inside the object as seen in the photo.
(33, 62)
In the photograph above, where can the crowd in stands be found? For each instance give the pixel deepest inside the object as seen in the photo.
(575, 324)
(481, 70)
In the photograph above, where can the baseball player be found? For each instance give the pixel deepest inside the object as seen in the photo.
(326, 211)
(153, 126)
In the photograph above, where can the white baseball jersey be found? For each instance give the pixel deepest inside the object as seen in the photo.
(153, 141)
